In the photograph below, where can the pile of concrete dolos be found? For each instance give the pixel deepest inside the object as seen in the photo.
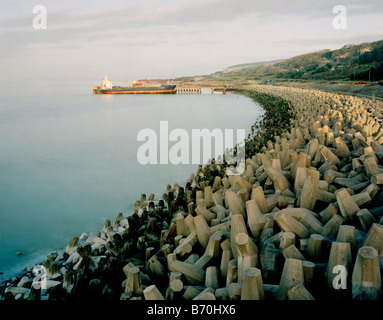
(304, 221)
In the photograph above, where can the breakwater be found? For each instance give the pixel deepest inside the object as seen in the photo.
(275, 121)
(307, 208)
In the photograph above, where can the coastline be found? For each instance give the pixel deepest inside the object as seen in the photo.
(181, 246)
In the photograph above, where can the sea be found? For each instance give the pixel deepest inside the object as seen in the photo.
(68, 158)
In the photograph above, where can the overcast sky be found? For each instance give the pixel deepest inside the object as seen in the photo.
(137, 39)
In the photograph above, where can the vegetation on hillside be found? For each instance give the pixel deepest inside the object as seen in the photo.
(351, 62)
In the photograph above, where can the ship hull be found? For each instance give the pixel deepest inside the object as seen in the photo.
(168, 89)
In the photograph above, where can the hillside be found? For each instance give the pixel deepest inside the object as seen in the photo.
(351, 62)
(253, 65)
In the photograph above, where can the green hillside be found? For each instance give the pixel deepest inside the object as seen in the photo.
(351, 62)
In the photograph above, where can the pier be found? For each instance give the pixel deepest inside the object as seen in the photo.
(188, 89)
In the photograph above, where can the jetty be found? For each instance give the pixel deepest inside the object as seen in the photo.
(199, 89)
(186, 89)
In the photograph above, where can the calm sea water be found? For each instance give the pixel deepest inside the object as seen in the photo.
(68, 159)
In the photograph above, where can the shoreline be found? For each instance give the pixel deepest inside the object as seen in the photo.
(10, 278)
(318, 154)
(57, 227)
(13, 275)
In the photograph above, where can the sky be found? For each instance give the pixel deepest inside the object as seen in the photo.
(137, 39)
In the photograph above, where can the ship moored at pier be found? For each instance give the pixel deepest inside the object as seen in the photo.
(136, 88)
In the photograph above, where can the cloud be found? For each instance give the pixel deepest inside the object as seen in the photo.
(191, 36)
(96, 19)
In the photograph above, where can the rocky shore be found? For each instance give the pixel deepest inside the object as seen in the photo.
(362, 88)
(303, 222)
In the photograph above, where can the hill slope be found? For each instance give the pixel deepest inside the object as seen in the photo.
(252, 65)
(354, 62)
